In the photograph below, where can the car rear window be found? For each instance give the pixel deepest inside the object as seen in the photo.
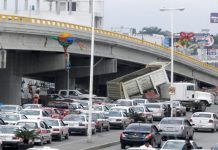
(7, 130)
(30, 112)
(152, 106)
(8, 108)
(11, 118)
(30, 106)
(138, 127)
(138, 109)
(169, 121)
(202, 115)
(124, 103)
(173, 145)
(52, 122)
(28, 125)
(114, 114)
(74, 118)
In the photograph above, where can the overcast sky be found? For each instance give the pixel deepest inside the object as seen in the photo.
(146, 13)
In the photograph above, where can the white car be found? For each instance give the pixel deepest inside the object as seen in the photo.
(144, 113)
(118, 119)
(204, 120)
(78, 124)
(158, 110)
(10, 108)
(122, 108)
(35, 113)
(59, 129)
(177, 145)
(7, 135)
(41, 128)
(32, 106)
(12, 118)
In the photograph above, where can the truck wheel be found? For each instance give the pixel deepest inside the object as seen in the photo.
(203, 106)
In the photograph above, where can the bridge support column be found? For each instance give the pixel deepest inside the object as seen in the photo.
(16, 7)
(10, 82)
(38, 6)
(61, 81)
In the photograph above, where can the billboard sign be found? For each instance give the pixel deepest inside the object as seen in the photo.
(213, 17)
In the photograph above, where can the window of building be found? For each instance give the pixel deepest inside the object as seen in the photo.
(62, 6)
(73, 6)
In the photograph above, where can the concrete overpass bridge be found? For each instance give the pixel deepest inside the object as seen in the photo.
(31, 54)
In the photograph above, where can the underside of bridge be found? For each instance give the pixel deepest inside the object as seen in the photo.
(50, 67)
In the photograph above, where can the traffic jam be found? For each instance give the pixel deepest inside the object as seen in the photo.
(143, 123)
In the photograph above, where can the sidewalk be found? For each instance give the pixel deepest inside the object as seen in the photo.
(98, 142)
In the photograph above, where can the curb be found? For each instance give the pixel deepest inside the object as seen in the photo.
(102, 146)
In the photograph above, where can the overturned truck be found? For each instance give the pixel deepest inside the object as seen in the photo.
(137, 82)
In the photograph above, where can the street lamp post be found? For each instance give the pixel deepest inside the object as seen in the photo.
(91, 73)
(172, 48)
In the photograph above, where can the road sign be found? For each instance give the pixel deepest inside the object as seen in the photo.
(171, 90)
(213, 17)
(3, 56)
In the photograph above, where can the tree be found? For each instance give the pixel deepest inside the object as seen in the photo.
(153, 30)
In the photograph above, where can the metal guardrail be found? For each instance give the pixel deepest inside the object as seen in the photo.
(53, 23)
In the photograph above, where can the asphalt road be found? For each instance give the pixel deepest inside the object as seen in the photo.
(204, 139)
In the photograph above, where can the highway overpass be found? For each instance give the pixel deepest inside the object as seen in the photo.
(32, 54)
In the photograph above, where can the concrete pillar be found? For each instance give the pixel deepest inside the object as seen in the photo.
(16, 7)
(38, 6)
(61, 81)
(10, 87)
(70, 7)
(50, 6)
(26, 5)
(5, 4)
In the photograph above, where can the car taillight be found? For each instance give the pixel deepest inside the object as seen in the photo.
(149, 136)
(55, 129)
(210, 121)
(122, 135)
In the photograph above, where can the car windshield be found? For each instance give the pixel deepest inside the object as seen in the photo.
(114, 114)
(74, 118)
(52, 122)
(202, 115)
(153, 105)
(28, 125)
(173, 145)
(10, 117)
(124, 103)
(98, 108)
(30, 112)
(8, 108)
(138, 109)
(169, 121)
(138, 127)
(109, 106)
(7, 130)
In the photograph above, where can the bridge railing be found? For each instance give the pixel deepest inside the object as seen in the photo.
(53, 23)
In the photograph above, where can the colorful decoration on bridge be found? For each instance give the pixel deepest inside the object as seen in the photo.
(185, 38)
(65, 40)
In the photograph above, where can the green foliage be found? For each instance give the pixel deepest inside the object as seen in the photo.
(26, 135)
(153, 30)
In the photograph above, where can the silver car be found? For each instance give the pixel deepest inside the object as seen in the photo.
(118, 119)
(175, 127)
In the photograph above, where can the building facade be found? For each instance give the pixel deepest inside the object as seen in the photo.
(71, 11)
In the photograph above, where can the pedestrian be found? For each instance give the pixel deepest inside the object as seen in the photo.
(188, 145)
(168, 110)
(146, 145)
(36, 97)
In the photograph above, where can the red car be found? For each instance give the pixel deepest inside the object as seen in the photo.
(53, 112)
(63, 107)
